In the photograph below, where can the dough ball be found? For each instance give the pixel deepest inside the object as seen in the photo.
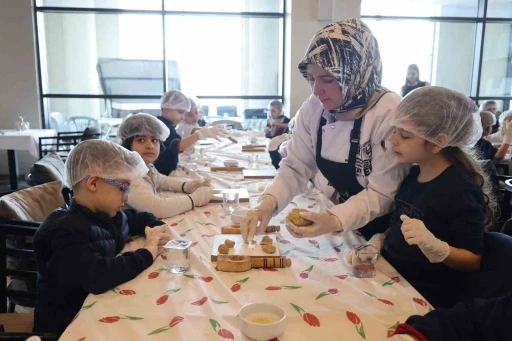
(295, 217)
(268, 249)
(229, 243)
(223, 249)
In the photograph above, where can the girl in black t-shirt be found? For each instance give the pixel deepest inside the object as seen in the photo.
(412, 80)
(443, 205)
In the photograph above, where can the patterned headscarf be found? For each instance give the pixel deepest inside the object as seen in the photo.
(350, 52)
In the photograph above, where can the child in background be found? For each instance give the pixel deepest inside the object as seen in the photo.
(144, 134)
(174, 105)
(77, 246)
(442, 206)
(278, 123)
(498, 137)
(485, 148)
(277, 146)
(190, 123)
(491, 107)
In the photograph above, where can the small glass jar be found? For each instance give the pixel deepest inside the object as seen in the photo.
(363, 260)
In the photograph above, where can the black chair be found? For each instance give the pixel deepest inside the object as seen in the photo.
(21, 289)
(494, 278)
(63, 143)
(134, 77)
(230, 110)
(256, 113)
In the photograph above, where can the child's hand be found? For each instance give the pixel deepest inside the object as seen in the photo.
(191, 186)
(377, 241)
(155, 242)
(149, 231)
(416, 233)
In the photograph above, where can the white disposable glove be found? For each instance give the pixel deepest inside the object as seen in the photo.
(276, 142)
(213, 132)
(261, 213)
(416, 233)
(507, 133)
(400, 337)
(191, 186)
(377, 241)
(155, 241)
(201, 196)
(322, 223)
(149, 231)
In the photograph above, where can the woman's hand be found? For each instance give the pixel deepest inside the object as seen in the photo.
(261, 214)
(416, 233)
(322, 223)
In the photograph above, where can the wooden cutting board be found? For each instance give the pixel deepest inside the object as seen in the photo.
(241, 248)
(259, 173)
(243, 194)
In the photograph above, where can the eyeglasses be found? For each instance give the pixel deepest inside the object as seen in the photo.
(123, 187)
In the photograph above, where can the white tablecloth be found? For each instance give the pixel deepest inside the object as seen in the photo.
(322, 298)
(27, 140)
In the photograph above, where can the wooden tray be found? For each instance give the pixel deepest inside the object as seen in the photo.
(226, 169)
(243, 194)
(241, 248)
(259, 173)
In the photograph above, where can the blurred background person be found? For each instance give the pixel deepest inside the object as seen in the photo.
(412, 80)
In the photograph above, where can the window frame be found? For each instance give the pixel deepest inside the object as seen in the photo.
(44, 97)
(481, 20)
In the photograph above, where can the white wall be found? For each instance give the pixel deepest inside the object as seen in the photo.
(18, 82)
(303, 24)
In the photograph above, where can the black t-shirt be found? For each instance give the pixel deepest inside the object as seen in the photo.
(168, 160)
(452, 207)
(486, 150)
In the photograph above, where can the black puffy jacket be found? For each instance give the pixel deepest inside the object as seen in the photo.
(75, 251)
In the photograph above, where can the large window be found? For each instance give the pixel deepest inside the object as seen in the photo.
(107, 58)
(465, 45)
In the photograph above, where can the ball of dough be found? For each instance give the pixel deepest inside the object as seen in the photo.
(268, 248)
(295, 217)
(229, 243)
(223, 249)
(266, 241)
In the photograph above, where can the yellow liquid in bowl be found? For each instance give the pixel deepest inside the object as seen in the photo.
(262, 318)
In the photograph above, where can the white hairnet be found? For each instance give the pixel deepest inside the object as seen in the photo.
(174, 99)
(140, 124)
(488, 119)
(430, 111)
(194, 103)
(504, 116)
(104, 159)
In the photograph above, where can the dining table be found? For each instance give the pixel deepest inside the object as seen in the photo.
(320, 294)
(21, 140)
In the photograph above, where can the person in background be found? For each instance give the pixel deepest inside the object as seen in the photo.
(343, 131)
(499, 136)
(277, 123)
(145, 134)
(201, 121)
(485, 148)
(444, 204)
(412, 80)
(174, 105)
(490, 106)
(190, 123)
(480, 320)
(277, 146)
(77, 246)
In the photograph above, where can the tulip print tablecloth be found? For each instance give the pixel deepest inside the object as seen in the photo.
(323, 300)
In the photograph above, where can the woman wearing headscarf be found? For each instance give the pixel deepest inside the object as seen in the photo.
(343, 130)
(412, 80)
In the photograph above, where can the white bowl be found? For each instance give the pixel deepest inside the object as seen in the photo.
(238, 215)
(265, 312)
(231, 163)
